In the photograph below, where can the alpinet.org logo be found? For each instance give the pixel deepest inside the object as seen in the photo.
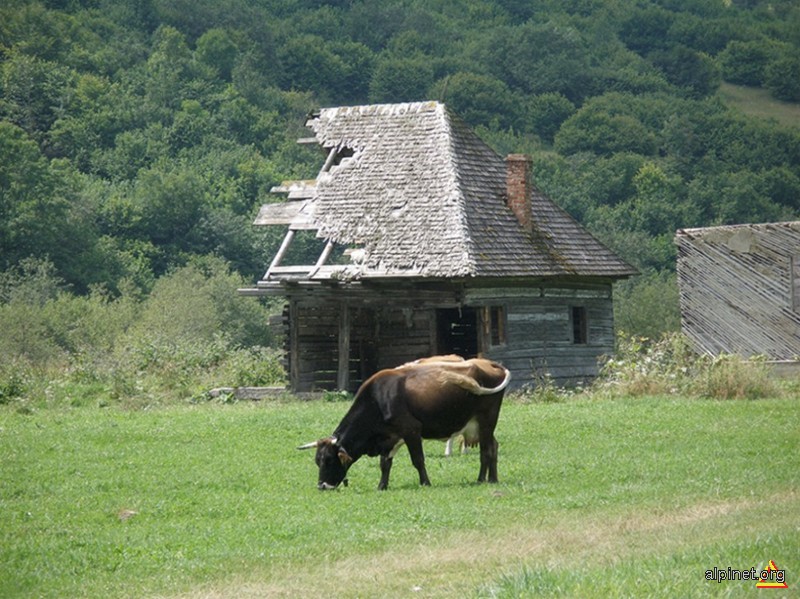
(770, 578)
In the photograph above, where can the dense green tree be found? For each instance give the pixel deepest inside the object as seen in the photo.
(695, 72)
(32, 204)
(745, 62)
(217, 49)
(702, 33)
(546, 113)
(658, 205)
(782, 77)
(646, 28)
(647, 305)
(35, 93)
(540, 58)
(480, 100)
(400, 79)
(602, 132)
(168, 69)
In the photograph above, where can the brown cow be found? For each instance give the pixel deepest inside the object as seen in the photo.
(433, 398)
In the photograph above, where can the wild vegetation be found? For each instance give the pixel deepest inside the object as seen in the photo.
(137, 140)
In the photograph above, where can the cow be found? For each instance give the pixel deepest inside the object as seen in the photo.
(432, 398)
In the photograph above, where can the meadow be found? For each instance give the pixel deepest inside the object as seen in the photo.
(759, 103)
(597, 497)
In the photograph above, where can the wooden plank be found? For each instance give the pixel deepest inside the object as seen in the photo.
(736, 289)
(293, 341)
(343, 376)
(279, 213)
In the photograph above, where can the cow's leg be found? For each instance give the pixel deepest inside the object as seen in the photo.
(418, 458)
(488, 459)
(386, 467)
(486, 425)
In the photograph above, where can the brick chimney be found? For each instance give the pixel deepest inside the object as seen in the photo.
(518, 188)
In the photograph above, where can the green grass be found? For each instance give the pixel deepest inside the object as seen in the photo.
(597, 498)
(758, 102)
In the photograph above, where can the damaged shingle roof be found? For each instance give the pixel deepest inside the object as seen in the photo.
(425, 197)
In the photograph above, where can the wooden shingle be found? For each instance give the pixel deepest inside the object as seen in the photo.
(423, 196)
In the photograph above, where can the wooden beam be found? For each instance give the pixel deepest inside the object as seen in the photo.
(281, 252)
(323, 257)
(343, 375)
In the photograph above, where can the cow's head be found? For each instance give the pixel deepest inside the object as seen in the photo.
(333, 462)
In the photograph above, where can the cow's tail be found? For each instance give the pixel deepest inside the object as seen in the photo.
(500, 387)
(470, 384)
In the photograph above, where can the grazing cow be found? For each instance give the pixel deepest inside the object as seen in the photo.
(432, 398)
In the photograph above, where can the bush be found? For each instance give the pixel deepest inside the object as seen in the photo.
(731, 377)
(192, 333)
(670, 366)
(13, 383)
(782, 78)
(253, 367)
(745, 62)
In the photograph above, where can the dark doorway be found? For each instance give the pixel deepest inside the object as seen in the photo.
(457, 331)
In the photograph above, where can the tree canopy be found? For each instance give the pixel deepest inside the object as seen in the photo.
(135, 136)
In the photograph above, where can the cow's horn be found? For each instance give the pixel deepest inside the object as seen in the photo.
(309, 445)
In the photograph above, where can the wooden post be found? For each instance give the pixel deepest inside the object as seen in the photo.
(343, 375)
(294, 347)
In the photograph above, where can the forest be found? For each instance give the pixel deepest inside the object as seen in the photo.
(138, 139)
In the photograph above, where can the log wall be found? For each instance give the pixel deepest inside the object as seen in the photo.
(538, 334)
(540, 340)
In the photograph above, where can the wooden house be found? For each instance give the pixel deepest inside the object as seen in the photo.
(431, 243)
(740, 289)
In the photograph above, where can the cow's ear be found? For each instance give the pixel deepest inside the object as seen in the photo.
(345, 458)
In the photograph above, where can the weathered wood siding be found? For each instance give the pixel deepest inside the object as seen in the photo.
(381, 335)
(739, 289)
(538, 335)
(539, 339)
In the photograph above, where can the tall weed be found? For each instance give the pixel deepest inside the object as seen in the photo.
(669, 366)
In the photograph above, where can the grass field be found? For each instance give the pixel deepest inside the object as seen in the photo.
(758, 102)
(596, 499)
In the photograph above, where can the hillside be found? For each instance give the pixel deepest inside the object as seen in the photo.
(138, 137)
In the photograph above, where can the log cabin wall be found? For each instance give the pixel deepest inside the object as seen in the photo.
(377, 328)
(558, 331)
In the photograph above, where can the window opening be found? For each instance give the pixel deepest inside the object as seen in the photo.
(496, 320)
(344, 152)
(579, 325)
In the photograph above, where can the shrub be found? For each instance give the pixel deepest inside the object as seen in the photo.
(13, 383)
(669, 366)
(648, 305)
(253, 367)
(731, 377)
